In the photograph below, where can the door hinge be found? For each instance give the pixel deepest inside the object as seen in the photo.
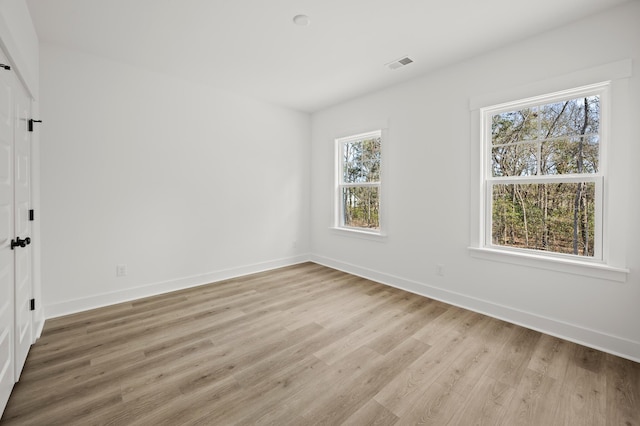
(6, 67)
(31, 215)
(31, 121)
(33, 304)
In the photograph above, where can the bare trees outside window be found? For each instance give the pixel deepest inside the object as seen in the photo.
(359, 181)
(543, 173)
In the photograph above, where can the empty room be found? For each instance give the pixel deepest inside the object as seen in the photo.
(300, 212)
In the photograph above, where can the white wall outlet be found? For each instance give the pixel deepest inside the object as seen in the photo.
(121, 270)
(440, 270)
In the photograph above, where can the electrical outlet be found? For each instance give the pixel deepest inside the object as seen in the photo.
(121, 270)
(440, 270)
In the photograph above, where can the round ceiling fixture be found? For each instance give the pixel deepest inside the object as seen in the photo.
(302, 20)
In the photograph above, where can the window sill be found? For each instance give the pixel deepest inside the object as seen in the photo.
(359, 233)
(570, 266)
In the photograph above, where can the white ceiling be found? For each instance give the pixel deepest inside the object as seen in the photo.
(253, 47)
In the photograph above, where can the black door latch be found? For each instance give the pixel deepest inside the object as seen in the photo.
(31, 121)
(20, 243)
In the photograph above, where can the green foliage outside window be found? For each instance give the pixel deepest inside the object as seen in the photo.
(541, 217)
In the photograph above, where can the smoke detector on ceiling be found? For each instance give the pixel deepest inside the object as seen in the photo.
(398, 63)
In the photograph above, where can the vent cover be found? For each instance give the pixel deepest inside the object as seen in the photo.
(405, 60)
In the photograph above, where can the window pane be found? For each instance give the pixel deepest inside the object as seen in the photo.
(361, 207)
(515, 159)
(570, 155)
(371, 163)
(579, 116)
(361, 161)
(351, 170)
(514, 126)
(562, 136)
(557, 217)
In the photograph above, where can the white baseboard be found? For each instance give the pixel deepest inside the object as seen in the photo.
(592, 338)
(111, 298)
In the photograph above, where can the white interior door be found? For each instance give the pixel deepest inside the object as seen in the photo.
(22, 204)
(7, 366)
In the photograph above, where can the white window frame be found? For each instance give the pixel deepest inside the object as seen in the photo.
(614, 184)
(340, 185)
(603, 91)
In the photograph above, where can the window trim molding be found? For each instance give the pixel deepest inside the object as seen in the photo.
(606, 267)
(602, 90)
(346, 231)
(336, 226)
(606, 72)
(553, 263)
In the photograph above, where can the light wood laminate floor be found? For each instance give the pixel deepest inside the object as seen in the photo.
(311, 345)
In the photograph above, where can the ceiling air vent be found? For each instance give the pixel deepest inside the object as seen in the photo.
(405, 60)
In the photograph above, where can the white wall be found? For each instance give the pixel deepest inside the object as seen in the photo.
(182, 183)
(428, 154)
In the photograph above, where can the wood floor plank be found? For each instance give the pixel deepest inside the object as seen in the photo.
(300, 397)
(350, 297)
(301, 348)
(401, 394)
(453, 321)
(371, 414)
(307, 345)
(623, 391)
(467, 368)
(551, 356)
(511, 365)
(436, 406)
(341, 348)
(344, 401)
(269, 399)
(363, 313)
(489, 410)
(151, 373)
(214, 400)
(404, 327)
(582, 396)
(440, 401)
(589, 359)
(535, 400)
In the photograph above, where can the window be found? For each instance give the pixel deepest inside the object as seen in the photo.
(358, 178)
(544, 173)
